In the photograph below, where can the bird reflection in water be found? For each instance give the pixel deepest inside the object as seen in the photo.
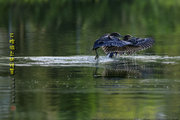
(120, 74)
(119, 69)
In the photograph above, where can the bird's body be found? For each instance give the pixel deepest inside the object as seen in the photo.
(113, 45)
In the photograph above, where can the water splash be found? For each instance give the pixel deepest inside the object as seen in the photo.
(86, 60)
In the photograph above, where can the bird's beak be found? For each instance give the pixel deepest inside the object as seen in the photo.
(97, 56)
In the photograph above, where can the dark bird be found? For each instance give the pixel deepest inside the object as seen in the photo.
(114, 43)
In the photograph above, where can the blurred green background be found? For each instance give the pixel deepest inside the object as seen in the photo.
(72, 26)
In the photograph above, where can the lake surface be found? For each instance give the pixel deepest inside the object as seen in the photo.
(56, 75)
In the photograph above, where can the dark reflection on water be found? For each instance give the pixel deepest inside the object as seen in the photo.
(123, 69)
(55, 81)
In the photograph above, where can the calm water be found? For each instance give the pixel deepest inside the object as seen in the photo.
(57, 77)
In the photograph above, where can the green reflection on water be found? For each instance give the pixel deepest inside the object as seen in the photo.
(69, 27)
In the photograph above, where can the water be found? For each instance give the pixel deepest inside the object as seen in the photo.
(57, 76)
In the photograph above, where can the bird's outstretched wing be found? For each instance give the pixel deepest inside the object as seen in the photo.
(143, 43)
(139, 44)
(134, 45)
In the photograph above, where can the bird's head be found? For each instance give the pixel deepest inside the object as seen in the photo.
(98, 43)
(115, 34)
(127, 37)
